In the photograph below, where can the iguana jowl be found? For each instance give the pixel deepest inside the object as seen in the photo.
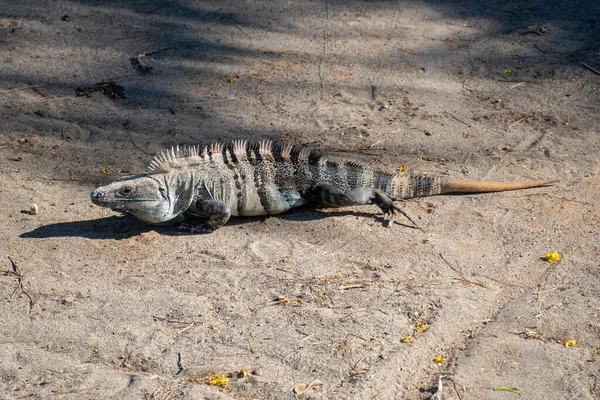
(261, 178)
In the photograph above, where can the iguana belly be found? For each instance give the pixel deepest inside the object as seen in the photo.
(274, 202)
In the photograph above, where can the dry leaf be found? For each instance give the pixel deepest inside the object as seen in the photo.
(301, 388)
(315, 383)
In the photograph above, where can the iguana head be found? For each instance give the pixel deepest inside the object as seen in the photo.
(154, 198)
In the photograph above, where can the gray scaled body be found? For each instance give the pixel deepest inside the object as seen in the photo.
(244, 178)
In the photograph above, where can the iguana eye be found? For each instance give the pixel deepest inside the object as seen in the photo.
(126, 191)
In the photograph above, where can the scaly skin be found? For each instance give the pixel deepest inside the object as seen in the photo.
(248, 179)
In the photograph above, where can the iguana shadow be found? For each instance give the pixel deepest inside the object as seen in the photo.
(123, 227)
(115, 227)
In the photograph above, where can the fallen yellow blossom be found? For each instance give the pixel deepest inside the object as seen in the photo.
(552, 257)
(569, 343)
(406, 339)
(439, 359)
(218, 380)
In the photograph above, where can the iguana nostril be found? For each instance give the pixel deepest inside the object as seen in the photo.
(96, 195)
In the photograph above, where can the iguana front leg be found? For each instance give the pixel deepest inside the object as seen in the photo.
(334, 197)
(215, 211)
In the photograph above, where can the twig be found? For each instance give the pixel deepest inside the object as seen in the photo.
(359, 360)
(559, 287)
(306, 338)
(456, 389)
(450, 265)
(463, 280)
(139, 148)
(355, 286)
(590, 68)
(49, 148)
(17, 272)
(179, 364)
(519, 121)
(543, 51)
(452, 116)
(462, 277)
(408, 51)
(536, 141)
(186, 328)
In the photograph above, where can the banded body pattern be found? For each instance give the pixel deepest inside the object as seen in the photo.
(263, 178)
(409, 186)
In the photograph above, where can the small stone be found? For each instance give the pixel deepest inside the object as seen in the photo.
(34, 210)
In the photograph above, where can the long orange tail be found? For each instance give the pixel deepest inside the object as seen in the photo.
(458, 186)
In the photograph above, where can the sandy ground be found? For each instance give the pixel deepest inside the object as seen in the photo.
(488, 90)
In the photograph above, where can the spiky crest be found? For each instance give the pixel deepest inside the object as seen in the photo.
(182, 157)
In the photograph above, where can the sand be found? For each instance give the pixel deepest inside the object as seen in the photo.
(101, 306)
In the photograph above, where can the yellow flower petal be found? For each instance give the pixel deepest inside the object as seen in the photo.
(406, 339)
(570, 343)
(439, 359)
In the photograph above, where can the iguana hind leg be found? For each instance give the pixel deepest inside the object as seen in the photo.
(334, 197)
(215, 211)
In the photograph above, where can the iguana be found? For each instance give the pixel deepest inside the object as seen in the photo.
(262, 178)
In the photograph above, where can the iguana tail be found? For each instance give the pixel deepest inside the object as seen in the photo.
(458, 186)
(406, 187)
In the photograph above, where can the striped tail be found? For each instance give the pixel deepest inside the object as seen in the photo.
(406, 187)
